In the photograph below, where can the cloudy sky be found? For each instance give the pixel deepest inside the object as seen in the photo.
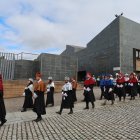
(38, 26)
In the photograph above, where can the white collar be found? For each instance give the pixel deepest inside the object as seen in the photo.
(39, 80)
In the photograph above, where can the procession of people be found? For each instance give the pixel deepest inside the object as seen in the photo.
(120, 86)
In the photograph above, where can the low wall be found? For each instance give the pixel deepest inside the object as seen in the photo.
(15, 88)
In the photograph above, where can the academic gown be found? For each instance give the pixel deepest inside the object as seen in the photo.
(121, 87)
(109, 95)
(89, 94)
(39, 103)
(67, 96)
(2, 105)
(28, 102)
(50, 94)
(133, 86)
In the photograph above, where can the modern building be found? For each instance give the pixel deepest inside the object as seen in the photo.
(115, 48)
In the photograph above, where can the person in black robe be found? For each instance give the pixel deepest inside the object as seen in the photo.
(133, 81)
(88, 90)
(138, 87)
(67, 97)
(109, 93)
(127, 87)
(50, 92)
(2, 105)
(28, 92)
(39, 102)
(121, 87)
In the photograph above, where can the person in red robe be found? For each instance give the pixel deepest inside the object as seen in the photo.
(2, 105)
(88, 90)
(121, 87)
(133, 81)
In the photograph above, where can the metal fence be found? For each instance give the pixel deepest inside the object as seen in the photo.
(7, 65)
(11, 65)
(25, 65)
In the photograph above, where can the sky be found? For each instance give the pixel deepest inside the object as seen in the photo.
(47, 26)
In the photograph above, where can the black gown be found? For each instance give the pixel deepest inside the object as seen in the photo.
(28, 102)
(2, 107)
(50, 96)
(39, 103)
(67, 102)
(89, 95)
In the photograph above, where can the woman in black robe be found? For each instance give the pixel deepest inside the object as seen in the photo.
(2, 105)
(28, 92)
(50, 92)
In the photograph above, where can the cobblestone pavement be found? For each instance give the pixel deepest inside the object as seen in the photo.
(120, 121)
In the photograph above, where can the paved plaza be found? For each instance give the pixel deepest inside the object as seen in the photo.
(120, 121)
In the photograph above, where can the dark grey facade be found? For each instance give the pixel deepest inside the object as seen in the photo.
(111, 50)
(23, 69)
(57, 66)
(129, 39)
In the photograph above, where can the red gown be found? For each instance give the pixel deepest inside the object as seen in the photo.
(2, 105)
(88, 90)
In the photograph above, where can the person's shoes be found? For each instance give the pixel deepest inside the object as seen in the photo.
(58, 112)
(71, 112)
(3, 122)
(86, 108)
(93, 106)
(112, 102)
(38, 119)
(23, 110)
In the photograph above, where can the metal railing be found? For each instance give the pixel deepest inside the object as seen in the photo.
(7, 65)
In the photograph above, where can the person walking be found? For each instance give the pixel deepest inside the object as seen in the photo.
(102, 86)
(121, 87)
(88, 90)
(39, 103)
(67, 97)
(50, 92)
(2, 105)
(133, 86)
(109, 93)
(28, 93)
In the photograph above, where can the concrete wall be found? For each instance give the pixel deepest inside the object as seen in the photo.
(102, 53)
(129, 39)
(23, 69)
(57, 66)
(71, 50)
